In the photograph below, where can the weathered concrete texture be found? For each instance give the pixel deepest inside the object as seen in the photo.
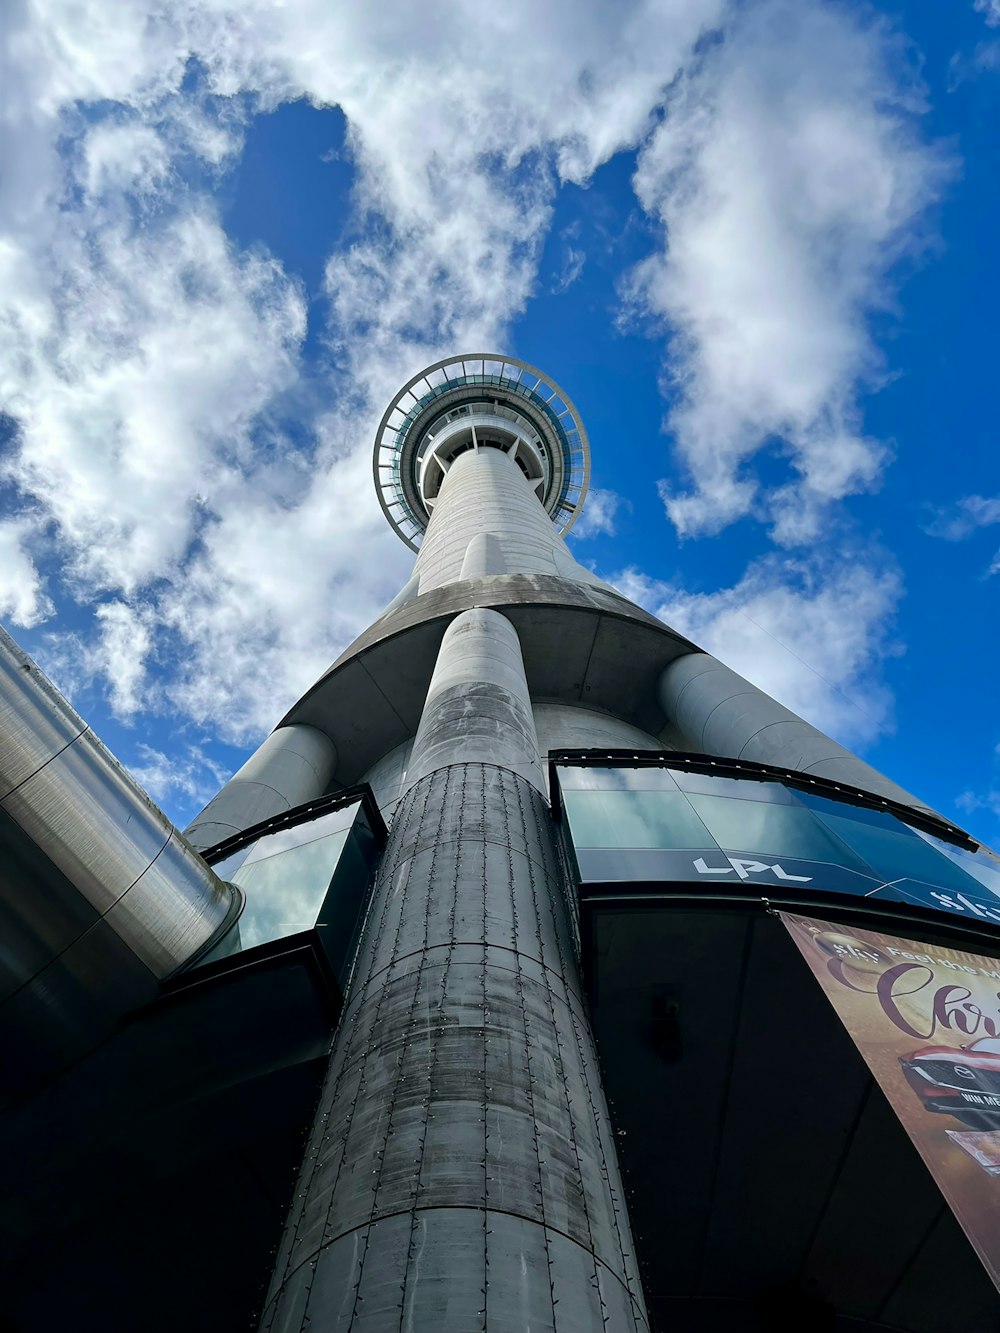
(561, 727)
(461, 1173)
(295, 764)
(487, 516)
(477, 707)
(386, 776)
(715, 711)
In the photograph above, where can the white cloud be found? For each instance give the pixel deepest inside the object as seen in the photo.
(962, 519)
(990, 9)
(187, 779)
(150, 363)
(124, 643)
(813, 635)
(789, 179)
(22, 595)
(600, 510)
(968, 514)
(573, 260)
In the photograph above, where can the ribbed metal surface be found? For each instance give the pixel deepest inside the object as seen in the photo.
(100, 896)
(36, 722)
(461, 1173)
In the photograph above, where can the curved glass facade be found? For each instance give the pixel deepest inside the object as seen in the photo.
(300, 873)
(664, 823)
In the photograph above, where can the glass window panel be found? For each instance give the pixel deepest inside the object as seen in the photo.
(284, 892)
(273, 844)
(842, 810)
(224, 869)
(982, 866)
(974, 905)
(744, 789)
(775, 830)
(594, 778)
(634, 819)
(895, 852)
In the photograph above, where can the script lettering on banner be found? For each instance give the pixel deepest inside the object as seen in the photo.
(927, 1022)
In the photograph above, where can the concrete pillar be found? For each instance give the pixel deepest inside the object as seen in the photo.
(487, 519)
(294, 765)
(461, 1171)
(477, 706)
(712, 710)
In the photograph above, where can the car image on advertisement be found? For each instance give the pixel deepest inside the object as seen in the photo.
(963, 1082)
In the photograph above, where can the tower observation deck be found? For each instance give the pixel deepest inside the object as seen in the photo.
(499, 910)
(476, 402)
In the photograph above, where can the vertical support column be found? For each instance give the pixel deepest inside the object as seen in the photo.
(477, 705)
(715, 711)
(461, 1171)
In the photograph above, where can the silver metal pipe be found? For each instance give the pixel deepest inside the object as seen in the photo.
(100, 896)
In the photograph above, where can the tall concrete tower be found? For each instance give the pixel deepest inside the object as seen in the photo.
(462, 1172)
(510, 900)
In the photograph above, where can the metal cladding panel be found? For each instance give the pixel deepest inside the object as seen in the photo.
(36, 722)
(57, 1016)
(82, 810)
(41, 912)
(461, 1173)
(160, 918)
(294, 765)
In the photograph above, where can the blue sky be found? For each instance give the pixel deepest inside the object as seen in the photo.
(753, 241)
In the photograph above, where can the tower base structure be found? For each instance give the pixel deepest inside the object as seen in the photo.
(653, 1008)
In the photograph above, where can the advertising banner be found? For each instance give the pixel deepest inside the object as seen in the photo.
(927, 1022)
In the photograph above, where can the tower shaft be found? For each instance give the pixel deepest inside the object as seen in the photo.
(461, 1171)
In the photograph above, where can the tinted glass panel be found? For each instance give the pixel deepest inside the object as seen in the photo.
(274, 844)
(572, 778)
(775, 830)
(982, 866)
(743, 789)
(285, 876)
(634, 819)
(896, 852)
(224, 869)
(285, 891)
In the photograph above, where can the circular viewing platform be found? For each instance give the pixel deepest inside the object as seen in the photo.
(482, 400)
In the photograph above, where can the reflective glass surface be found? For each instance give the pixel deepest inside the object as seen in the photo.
(286, 877)
(778, 830)
(634, 819)
(285, 888)
(635, 824)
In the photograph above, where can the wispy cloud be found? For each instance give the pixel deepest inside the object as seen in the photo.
(956, 522)
(599, 515)
(187, 779)
(789, 178)
(815, 635)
